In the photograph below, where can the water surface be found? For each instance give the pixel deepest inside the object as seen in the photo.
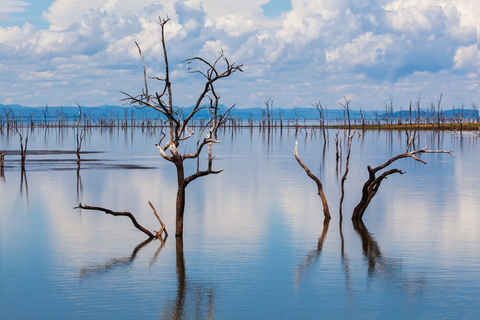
(255, 243)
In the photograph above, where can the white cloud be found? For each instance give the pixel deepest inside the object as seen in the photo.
(13, 6)
(15, 37)
(233, 24)
(317, 51)
(466, 57)
(367, 49)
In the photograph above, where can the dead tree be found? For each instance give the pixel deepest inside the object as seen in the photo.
(2, 159)
(2, 164)
(326, 210)
(80, 137)
(23, 149)
(269, 110)
(371, 186)
(178, 124)
(346, 107)
(158, 234)
(344, 177)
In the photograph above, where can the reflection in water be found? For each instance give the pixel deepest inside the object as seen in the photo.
(79, 185)
(345, 262)
(124, 261)
(23, 181)
(377, 263)
(305, 265)
(330, 275)
(194, 300)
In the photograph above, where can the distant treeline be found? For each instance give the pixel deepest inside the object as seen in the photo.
(107, 115)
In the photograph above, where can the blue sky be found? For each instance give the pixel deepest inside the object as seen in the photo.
(298, 52)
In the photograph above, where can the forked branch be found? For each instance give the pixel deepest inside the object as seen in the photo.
(371, 186)
(132, 218)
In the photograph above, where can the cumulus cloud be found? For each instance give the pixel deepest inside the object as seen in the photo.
(466, 57)
(367, 49)
(316, 51)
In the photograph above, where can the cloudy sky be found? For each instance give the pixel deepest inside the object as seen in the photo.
(298, 52)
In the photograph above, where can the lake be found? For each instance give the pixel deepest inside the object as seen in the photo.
(255, 244)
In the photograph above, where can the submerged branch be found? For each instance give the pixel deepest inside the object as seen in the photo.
(127, 214)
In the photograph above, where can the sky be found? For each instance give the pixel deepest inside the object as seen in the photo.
(298, 52)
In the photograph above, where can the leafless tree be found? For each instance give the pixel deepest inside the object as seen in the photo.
(2, 164)
(346, 107)
(371, 186)
(326, 210)
(344, 177)
(23, 148)
(269, 110)
(321, 116)
(179, 129)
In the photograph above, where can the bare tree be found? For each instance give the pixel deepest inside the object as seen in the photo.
(346, 107)
(269, 109)
(344, 177)
(371, 186)
(326, 210)
(179, 129)
(2, 164)
(23, 149)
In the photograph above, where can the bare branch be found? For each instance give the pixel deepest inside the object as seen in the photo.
(326, 210)
(162, 229)
(371, 186)
(127, 214)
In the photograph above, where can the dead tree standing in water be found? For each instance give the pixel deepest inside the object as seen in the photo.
(371, 186)
(23, 149)
(344, 177)
(326, 210)
(179, 130)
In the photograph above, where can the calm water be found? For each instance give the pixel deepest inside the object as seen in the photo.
(255, 245)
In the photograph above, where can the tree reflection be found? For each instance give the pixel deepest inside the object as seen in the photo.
(194, 300)
(313, 256)
(376, 261)
(110, 264)
(378, 265)
(23, 181)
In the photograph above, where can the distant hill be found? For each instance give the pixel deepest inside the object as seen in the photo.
(117, 112)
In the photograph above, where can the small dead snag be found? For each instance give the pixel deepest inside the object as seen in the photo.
(371, 186)
(326, 211)
(134, 221)
(344, 177)
(23, 148)
(2, 159)
(2, 164)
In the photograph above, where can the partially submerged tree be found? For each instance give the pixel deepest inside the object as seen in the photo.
(179, 125)
(23, 149)
(371, 186)
(373, 182)
(326, 210)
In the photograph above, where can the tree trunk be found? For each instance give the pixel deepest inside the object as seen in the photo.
(180, 208)
(180, 204)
